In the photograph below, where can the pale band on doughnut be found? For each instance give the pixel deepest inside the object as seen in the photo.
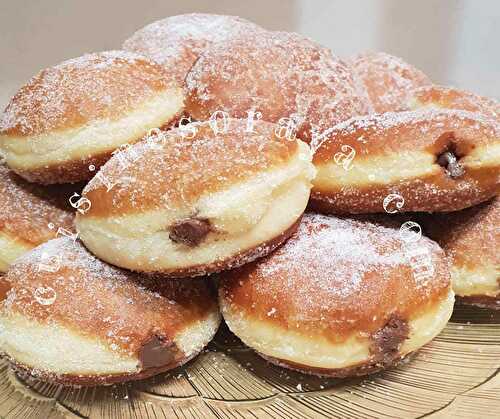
(87, 323)
(190, 206)
(77, 113)
(340, 298)
(437, 159)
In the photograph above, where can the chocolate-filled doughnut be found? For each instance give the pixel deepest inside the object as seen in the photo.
(340, 297)
(177, 41)
(279, 75)
(195, 200)
(29, 215)
(471, 240)
(386, 79)
(437, 159)
(74, 115)
(67, 317)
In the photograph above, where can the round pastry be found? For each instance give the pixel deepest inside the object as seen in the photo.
(29, 215)
(177, 41)
(471, 240)
(278, 74)
(437, 159)
(386, 79)
(340, 298)
(450, 98)
(195, 201)
(74, 115)
(70, 318)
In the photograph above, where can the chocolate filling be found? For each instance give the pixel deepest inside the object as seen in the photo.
(4, 288)
(387, 341)
(157, 352)
(190, 231)
(449, 161)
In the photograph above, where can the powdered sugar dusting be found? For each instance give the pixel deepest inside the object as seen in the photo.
(177, 41)
(337, 274)
(27, 209)
(101, 301)
(278, 73)
(98, 85)
(387, 79)
(171, 170)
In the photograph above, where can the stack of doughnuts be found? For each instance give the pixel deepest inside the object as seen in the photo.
(212, 166)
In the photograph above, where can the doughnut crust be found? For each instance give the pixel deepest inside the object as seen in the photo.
(280, 75)
(437, 159)
(387, 80)
(26, 210)
(177, 41)
(77, 113)
(191, 206)
(87, 323)
(471, 240)
(339, 298)
(451, 98)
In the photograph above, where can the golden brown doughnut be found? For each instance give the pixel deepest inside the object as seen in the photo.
(177, 41)
(70, 318)
(77, 113)
(451, 98)
(387, 80)
(279, 75)
(437, 159)
(471, 240)
(27, 213)
(340, 297)
(192, 201)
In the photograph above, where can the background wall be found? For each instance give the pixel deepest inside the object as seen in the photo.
(454, 41)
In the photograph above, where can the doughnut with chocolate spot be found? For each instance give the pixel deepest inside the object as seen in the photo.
(87, 323)
(74, 115)
(437, 159)
(339, 298)
(190, 206)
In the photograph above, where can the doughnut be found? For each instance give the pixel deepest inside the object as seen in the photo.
(27, 212)
(74, 115)
(340, 298)
(451, 98)
(197, 200)
(276, 76)
(177, 41)
(471, 240)
(69, 318)
(386, 79)
(436, 159)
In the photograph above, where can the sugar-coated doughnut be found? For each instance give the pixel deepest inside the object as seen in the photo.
(177, 41)
(77, 113)
(27, 213)
(195, 200)
(471, 240)
(387, 80)
(70, 318)
(279, 75)
(436, 159)
(340, 297)
(451, 98)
